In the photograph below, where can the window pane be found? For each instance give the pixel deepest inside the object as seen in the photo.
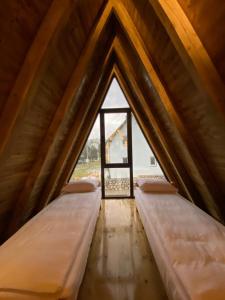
(144, 162)
(116, 138)
(117, 182)
(115, 97)
(89, 164)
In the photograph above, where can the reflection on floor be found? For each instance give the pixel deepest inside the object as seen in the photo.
(120, 264)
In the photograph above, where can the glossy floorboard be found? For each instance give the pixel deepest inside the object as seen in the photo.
(121, 265)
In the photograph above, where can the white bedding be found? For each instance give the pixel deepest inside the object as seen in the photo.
(46, 258)
(188, 245)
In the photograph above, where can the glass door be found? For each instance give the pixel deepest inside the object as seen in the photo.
(116, 153)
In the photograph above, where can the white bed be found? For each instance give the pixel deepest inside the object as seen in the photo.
(46, 258)
(188, 245)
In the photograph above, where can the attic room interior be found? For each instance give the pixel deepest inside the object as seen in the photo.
(112, 149)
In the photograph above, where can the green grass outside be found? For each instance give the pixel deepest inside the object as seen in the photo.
(91, 168)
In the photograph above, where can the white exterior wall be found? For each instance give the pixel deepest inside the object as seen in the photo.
(141, 154)
(117, 150)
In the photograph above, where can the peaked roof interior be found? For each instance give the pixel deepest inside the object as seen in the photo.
(58, 58)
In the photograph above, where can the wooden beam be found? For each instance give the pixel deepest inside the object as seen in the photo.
(79, 121)
(212, 195)
(82, 138)
(191, 51)
(45, 150)
(81, 74)
(139, 115)
(179, 169)
(31, 70)
(79, 145)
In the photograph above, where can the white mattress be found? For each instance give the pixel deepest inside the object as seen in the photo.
(188, 245)
(46, 258)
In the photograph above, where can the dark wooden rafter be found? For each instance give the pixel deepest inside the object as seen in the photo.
(183, 179)
(30, 72)
(78, 146)
(102, 58)
(137, 43)
(192, 51)
(76, 130)
(60, 168)
(134, 96)
(130, 30)
(71, 162)
(100, 97)
(173, 162)
(73, 88)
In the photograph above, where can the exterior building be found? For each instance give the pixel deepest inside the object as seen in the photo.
(144, 161)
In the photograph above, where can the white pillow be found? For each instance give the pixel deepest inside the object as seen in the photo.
(93, 179)
(156, 185)
(80, 186)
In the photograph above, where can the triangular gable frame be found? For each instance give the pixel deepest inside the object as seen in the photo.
(115, 74)
(113, 9)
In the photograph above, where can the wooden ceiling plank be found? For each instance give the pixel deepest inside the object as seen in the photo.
(166, 95)
(82, 138)
(80, 143)
(72, 161)
(191, 51)
(31, 69)
(179, 169)
(131, 32)
(27, 76)
(79, 75)
(131, 96)
(75, 131)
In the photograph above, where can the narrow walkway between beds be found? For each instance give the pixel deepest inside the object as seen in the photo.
(121, 264)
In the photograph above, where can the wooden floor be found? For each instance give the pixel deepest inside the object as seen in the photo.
(120, 264)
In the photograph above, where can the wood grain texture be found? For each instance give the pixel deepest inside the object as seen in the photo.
(86, 128)
(154, 127)
(66, 104)
(192, 51)
(174, 138)
(175, 95)
(121, 264)
(29, 75)
(19, 23)
(153, 133)
(210, 30)
(194, 158)
(85, 113)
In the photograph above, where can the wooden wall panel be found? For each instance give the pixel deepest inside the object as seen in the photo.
(192, 125)
(36, 116)
(88, 11)
(19, 22)
(208, 20)
(171, 131)
(185, 96)
(68, 124)
(184, 178)
(202, 117)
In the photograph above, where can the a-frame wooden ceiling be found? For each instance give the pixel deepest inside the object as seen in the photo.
(58, 59)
